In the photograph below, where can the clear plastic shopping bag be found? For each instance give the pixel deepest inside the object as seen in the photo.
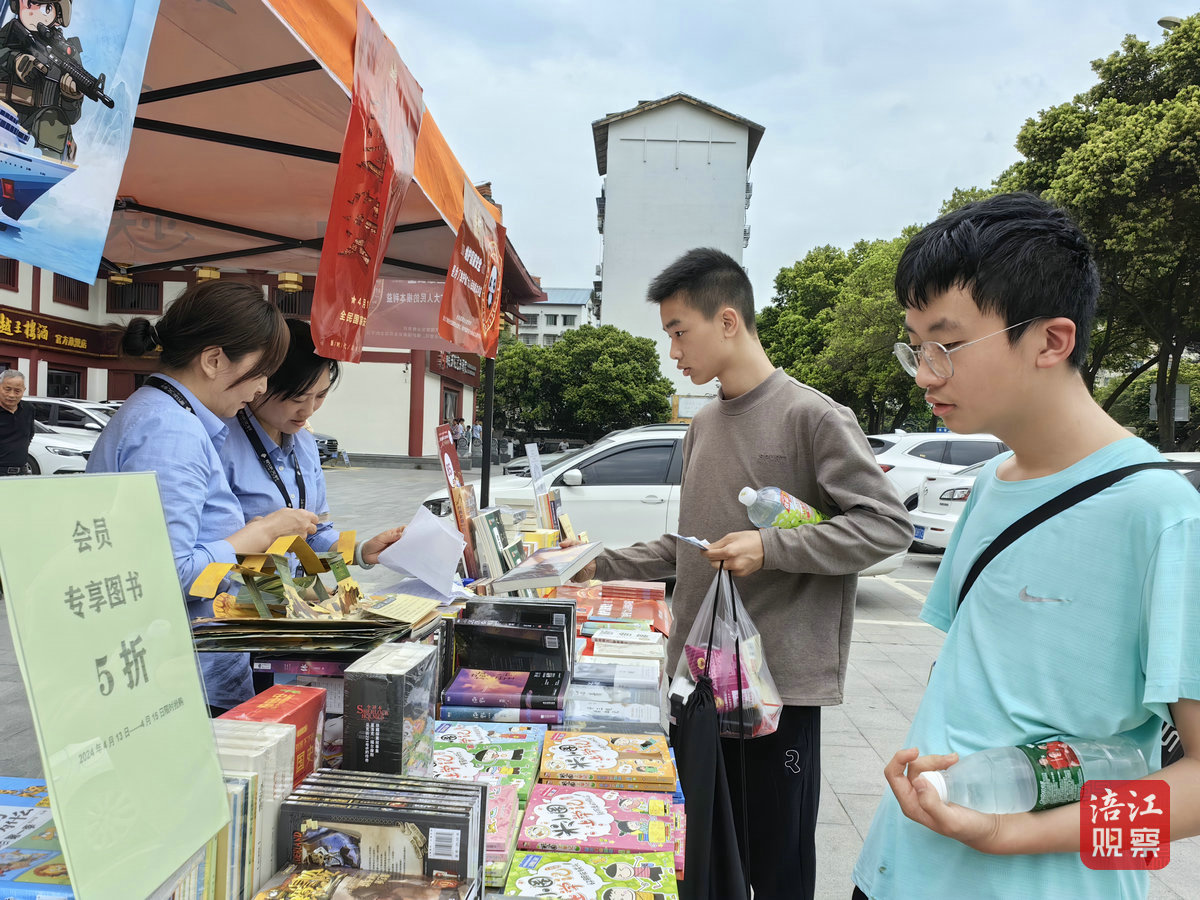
(725, 647)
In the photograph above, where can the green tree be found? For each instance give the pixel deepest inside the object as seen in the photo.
(1132, 406)
(591, 381)
(1124, 158)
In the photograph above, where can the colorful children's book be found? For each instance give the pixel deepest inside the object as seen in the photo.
(634, 875)
(513, 690)
(31, 861)
(586, 820)
(469, 734)
(506, 763)
(631, 761)
(345, 883)
(503, 817)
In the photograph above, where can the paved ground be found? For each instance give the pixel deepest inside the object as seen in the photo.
(889, 663)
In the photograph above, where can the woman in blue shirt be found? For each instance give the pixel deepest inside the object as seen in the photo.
(219, 340)
(271, 459)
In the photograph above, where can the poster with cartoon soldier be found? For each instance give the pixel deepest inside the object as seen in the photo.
(70, 75)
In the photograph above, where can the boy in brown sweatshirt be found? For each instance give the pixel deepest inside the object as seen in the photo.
(798, 585)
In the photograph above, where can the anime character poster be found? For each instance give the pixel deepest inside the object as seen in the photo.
(470, 316)
(70, 76)
(375, 171)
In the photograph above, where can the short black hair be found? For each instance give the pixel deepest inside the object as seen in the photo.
(301, 367)
(1017, 255)
(708, 280)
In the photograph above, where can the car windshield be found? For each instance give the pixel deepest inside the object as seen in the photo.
(100, 409)
(564, 463)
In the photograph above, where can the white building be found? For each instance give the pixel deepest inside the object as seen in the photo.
(564, 308)
(675, 177)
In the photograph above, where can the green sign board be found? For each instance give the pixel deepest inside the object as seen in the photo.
(101, 633)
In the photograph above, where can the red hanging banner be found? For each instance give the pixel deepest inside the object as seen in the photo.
(470, 315)
(374, 172)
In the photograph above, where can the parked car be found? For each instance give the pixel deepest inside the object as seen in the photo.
(327, 446)
(942, 499)
(908, 459)
(52, 453)
(67, 416)
(621, 490)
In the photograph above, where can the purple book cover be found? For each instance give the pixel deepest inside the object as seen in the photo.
(500, 714)
(582, 820)
(506, 689)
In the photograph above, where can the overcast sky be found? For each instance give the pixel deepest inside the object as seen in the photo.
(872, 117)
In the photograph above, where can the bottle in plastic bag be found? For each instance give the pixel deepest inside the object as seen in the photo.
(1035, 776)
(771, 507)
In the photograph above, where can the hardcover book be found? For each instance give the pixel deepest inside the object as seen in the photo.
(548, 567)
(389, 704)
(584, 820)
(608, 758)
(638, 876)
(516, 690)
(301, 707)
(520, 648)
(509, 611)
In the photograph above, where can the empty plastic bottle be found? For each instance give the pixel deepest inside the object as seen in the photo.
(1035, 776)
(771, 507)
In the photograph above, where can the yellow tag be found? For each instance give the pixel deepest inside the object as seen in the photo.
(209, 580)
(345, 546)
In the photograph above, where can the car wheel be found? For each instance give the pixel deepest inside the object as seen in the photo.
(33, 466)
(911, 503)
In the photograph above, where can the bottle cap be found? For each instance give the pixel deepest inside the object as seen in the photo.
(747, 496)
(938, 780)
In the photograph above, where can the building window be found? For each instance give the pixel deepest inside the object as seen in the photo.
(297, 304)
(569, 321)
(63, 383)
(8, 273)
(139, 297)
(551, 319)
(530, 319)
(529, 340)
(70, 292)
(549, 339)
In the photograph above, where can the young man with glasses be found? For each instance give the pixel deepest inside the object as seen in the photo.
(1089, 625)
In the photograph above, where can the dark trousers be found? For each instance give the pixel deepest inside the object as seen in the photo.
(858, 894)
(783, 788)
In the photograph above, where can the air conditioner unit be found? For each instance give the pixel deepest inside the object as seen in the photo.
(746, 237)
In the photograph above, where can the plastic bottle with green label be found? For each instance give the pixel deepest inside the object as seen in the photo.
(1035, 776)
(771, 507)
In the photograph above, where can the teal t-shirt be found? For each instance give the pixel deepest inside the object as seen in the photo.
(1087, 626)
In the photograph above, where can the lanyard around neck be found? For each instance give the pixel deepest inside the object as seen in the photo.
(264, 459)
(171, 391)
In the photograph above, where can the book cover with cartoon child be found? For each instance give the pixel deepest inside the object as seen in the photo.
(587, 820)
(604, 876)
(634, 759)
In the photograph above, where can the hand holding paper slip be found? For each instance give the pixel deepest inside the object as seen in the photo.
(428, 550)
(695, 541)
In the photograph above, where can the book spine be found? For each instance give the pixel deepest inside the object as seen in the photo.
(501, 714)
(300, 667)
(466, 697)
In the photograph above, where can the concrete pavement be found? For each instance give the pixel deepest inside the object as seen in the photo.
(889, 663)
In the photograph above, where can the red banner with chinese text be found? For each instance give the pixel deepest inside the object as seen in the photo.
(470, 316)
(374, 172)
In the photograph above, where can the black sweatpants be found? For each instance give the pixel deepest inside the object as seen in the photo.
(783, 788)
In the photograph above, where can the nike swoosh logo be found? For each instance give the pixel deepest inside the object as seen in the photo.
(1027, 597)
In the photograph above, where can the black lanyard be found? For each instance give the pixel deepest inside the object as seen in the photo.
(269, 467)
(171, 391)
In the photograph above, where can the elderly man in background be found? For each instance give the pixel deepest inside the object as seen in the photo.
(16, 424)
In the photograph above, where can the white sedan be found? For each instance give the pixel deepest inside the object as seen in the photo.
(53, 453)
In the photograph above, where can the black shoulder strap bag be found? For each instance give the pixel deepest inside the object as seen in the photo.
(1172, 748)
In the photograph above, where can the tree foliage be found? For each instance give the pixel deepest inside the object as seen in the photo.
(591, 381)
(832, 324)
(1124, 158)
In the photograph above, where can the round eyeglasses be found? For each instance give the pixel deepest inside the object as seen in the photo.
(936, 356)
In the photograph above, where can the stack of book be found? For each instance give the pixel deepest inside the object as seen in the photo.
(389, 701)
(498, 547)
(296, 706)
(396, 824)
(629, 643)
(512, 761)
(262, 757)
(323, 671)
(341, 883)
(601, 875)
(612, 761)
